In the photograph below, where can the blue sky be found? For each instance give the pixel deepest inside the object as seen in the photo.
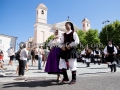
(17, 17)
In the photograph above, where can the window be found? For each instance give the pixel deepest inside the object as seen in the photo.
(87, 25)
(0, 41)
(10, 44)
(83, 25)
(37, 12)
(42, 12)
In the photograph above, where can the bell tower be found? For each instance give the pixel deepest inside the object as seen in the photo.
(85, 24)
(41, 14)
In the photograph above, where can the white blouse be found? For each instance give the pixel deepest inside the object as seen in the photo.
(11, 52)
(54, 42)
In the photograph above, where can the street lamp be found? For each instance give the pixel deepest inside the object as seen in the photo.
(106, 27)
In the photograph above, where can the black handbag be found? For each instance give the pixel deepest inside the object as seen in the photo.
(36, 57)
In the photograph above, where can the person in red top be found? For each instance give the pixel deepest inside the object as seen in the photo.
(1, 59)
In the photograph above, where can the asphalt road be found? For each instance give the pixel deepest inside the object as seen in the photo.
(109, 81)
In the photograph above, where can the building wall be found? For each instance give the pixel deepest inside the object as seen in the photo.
(85, 26)
(7, 42)
(41, 33)
(42, 17)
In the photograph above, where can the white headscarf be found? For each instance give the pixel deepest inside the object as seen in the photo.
(59, 34)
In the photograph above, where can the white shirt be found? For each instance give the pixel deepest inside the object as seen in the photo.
(83, 52)
(24, 54)
(98, 52)
(75, 37)
(40, 52)
(11, 52)
(105, 50)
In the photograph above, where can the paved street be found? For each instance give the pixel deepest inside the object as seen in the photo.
(96, 77)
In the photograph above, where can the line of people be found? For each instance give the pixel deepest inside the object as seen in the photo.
(110, 55)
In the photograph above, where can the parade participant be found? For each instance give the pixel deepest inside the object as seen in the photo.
(110, 53)
(97, 56)
(52, 64)
(88, 53)
(83, 55)
(11, 55)
(118, 54)
(69, 41)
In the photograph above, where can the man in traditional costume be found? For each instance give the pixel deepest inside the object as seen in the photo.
(97, 56)
(69, 41)
(110, 53)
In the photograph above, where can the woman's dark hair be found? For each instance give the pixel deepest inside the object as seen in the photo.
(24, 45)
(110, 41)
(71, 24)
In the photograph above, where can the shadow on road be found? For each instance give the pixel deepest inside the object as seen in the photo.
(81, 67)
(42, 83)
(93, 73)
(99, 68)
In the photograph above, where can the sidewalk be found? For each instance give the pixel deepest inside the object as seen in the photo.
(10, 75)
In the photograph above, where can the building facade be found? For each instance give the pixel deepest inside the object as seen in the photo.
(6, 42)
(85, 24)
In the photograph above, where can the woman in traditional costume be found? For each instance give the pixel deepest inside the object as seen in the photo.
(52, 64)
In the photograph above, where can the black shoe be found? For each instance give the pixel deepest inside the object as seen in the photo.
(114, 66)
(64, 80)
(72, 82)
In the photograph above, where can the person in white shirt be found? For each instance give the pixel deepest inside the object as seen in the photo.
(23, 59)
(11, 54)
(83, 55)
(40, 55)
(69, 41)
(110, 52)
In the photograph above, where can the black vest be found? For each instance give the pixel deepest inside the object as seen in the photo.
(110, 49)
(97, 52)
(68, 38)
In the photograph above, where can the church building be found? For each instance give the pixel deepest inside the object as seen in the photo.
(43, 30)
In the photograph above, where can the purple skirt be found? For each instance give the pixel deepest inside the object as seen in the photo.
(52, 64)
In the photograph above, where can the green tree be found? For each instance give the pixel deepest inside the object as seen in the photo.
(113, 31)
(48, 40)
(92, 37)
(81, 36)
